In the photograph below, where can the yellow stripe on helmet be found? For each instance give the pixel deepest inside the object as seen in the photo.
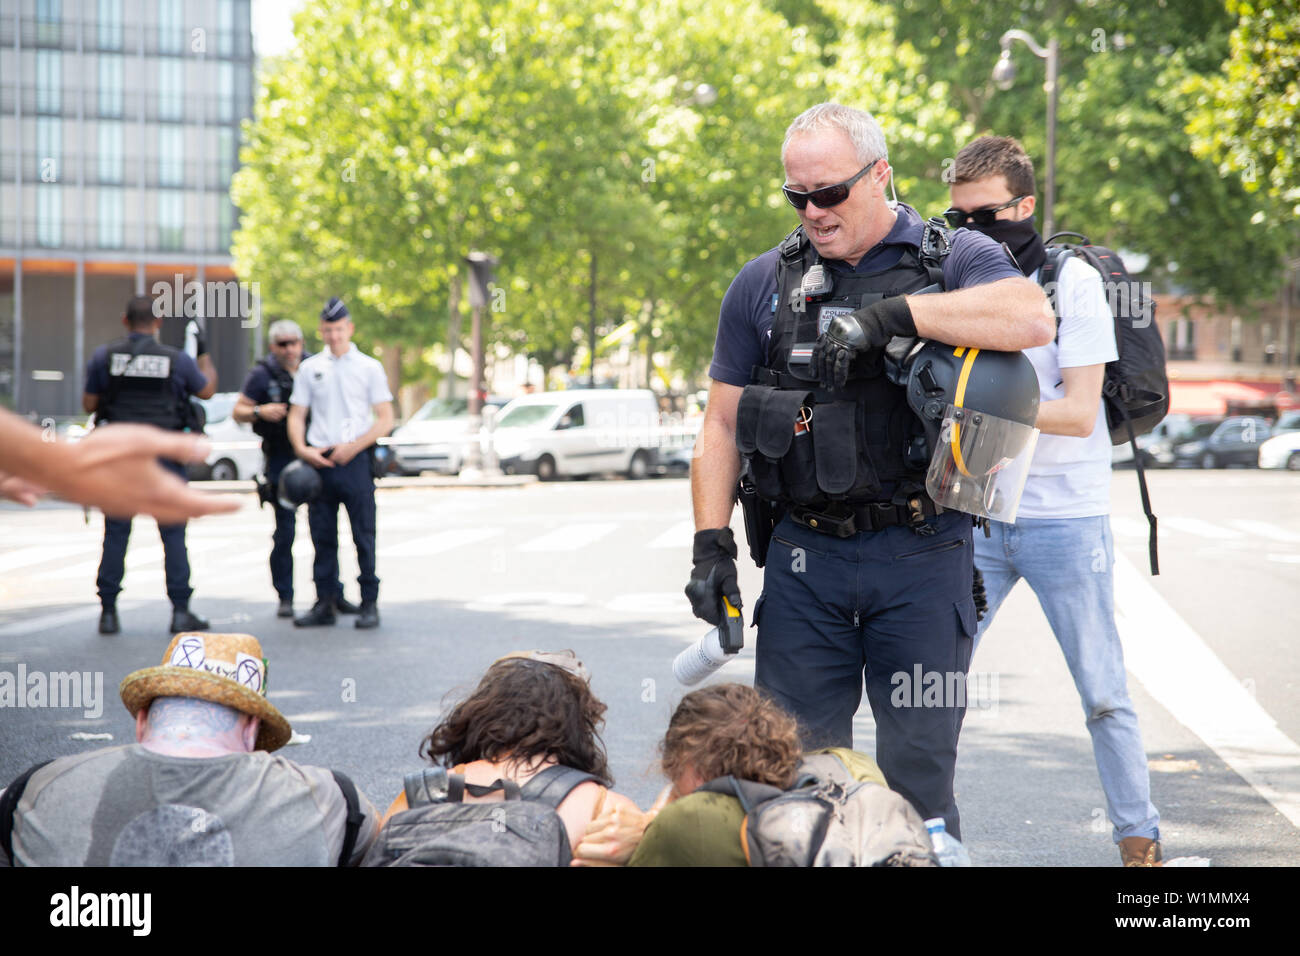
(958, 400)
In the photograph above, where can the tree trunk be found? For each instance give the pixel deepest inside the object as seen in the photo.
(391, 359)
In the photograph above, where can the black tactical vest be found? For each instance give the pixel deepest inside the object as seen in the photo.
(279, 386)
(139, 384)
(808, 446)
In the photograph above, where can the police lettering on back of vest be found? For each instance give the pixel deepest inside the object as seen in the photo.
(139, 384)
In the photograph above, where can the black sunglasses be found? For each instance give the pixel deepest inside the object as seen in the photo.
(827, 196)
(285, 344)
(981, 217)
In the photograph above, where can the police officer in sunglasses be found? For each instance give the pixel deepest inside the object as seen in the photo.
(864, 576)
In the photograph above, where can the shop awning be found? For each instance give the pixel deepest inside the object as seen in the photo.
(1213, 398)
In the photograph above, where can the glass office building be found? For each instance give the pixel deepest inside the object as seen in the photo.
(119, 134)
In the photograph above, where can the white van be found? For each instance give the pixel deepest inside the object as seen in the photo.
(579, 432)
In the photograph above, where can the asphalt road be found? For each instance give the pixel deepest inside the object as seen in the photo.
(598, 566)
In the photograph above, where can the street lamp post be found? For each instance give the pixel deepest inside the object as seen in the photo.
(480, 278)
(1004, 74)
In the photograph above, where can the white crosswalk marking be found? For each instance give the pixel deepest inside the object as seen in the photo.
(27, 557)
(1203, 529)
(570, 537)
(680, 535)
(1265, 530)
(1129, 527)
(438, 543)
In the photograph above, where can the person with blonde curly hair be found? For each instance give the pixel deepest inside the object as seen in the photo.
(717, 731)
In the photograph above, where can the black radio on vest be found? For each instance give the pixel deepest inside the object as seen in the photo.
(865, 447)
(139, 385)
(275, 435)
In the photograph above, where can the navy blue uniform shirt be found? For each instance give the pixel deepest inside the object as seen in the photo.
(186, 379)
(745, 321)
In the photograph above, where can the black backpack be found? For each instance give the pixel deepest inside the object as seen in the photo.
(440, 829)
(1135, 390)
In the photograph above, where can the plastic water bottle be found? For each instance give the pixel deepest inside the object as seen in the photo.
(946, 847)
(700, 659)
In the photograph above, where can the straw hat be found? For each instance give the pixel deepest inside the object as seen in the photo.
(226, 669)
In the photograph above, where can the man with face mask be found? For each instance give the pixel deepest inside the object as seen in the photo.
(1061, 541)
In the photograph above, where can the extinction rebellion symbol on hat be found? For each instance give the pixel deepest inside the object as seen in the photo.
(188, 653)
(249, 672)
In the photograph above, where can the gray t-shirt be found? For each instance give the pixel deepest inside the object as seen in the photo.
(127, 806)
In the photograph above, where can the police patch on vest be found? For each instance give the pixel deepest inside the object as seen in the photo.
(829, 312)
(140, 366)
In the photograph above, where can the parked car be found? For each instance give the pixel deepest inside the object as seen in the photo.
(1234, 440)
(236, 448)
(1156, 447)
(579, 432)
(1287, 422)
(1281, 451)
(436, 437)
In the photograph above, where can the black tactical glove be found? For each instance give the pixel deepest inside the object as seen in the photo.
(714, 574)
(981, 599)
(849, 335)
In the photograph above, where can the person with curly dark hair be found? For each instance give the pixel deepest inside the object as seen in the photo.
(716, 731)
(531, 710)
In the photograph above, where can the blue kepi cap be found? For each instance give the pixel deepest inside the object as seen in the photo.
(334, 310)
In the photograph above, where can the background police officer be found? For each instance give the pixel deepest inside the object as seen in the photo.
(264, 402)
(892, 592)
(351, 407)
(137, 379)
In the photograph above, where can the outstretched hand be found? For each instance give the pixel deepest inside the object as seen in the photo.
(116, 470)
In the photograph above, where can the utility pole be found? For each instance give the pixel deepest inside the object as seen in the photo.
(480, 278)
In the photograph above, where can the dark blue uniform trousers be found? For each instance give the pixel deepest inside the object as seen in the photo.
(282, 539)
(176, 562)
(893, 607)
(352, 486)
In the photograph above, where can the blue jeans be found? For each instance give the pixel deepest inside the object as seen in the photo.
(885, 606)
(1067, 563)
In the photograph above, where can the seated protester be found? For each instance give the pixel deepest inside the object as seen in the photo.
(199, 788)
(532, 715)
(718, 731)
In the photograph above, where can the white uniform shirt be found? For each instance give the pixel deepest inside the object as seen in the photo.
(1070, 477)
(341, 392)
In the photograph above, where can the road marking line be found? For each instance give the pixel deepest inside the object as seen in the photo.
(1199, 527)
(440, 542)
(570, 538)
(1265, 530)
(47, 622)
(680, 535)
(1187, 678)
(1285, 558)
(1128, 527)
(27, 557)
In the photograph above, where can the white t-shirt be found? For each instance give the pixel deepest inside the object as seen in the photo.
(341, 392)
(1070, 477)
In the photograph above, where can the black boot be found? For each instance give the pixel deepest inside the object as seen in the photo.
(321, 613)
(183, 620)
(369, 616)
(108, 623)
(344, 606)
(286, 608)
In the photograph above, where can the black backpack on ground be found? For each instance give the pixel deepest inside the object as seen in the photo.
(1135, 390)
(440, 829)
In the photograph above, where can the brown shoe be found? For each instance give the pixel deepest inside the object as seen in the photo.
(1139, 851)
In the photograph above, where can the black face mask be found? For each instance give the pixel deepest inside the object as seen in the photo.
(1021, 238)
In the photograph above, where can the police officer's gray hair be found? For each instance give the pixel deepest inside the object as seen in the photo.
(284, 328)
(860, 126)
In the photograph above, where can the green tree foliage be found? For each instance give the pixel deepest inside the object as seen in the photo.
(400, 135)
(1246, 115)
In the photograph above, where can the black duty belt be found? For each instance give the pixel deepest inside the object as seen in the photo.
(844, 521)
